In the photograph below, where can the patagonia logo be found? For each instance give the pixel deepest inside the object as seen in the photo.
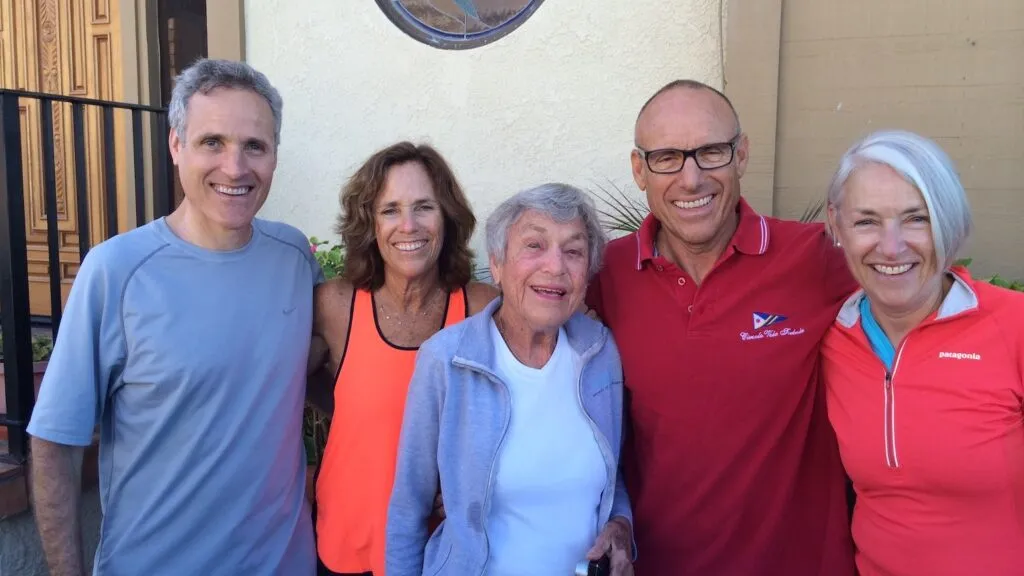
(960, 355)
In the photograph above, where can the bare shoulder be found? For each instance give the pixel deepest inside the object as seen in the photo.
(479, 295)
(332, 304)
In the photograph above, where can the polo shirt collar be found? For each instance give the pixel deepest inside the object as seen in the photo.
(751, 236)
(960, 299)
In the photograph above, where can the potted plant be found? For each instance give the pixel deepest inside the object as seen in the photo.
(42, 346)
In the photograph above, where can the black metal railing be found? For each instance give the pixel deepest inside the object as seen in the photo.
(15, 311)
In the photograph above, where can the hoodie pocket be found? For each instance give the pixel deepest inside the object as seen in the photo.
(441, 560)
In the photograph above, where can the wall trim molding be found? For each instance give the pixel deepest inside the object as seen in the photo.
(753, 35)
(225, 29)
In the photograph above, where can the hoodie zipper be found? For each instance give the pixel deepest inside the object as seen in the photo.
(891, 458)
(598, 435)
(485, 510)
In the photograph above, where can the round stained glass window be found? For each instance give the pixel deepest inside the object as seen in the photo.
(458, 24)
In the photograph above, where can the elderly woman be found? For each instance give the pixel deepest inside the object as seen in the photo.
(516, 414)
(405, 226)
(923, 370)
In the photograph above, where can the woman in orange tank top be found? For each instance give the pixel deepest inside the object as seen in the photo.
(405, 225)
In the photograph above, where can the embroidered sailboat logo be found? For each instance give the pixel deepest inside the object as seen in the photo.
(761, 320)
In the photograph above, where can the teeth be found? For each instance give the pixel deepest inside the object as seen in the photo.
(552, 292)
(410, 246)
(233, 190)
(694, 204)
(892, 270)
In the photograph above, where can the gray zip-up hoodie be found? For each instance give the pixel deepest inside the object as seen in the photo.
(456, 416)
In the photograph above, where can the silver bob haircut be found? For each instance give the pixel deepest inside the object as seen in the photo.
(206, 75)
(561, 203)
(925, 165)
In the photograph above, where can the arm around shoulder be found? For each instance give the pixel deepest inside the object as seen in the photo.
(416, 474)
(332, 313)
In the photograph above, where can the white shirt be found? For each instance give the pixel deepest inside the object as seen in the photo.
(550, 472)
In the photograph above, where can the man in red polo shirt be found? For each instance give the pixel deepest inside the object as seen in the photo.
(718, 312)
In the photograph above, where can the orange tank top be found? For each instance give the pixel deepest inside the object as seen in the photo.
(358, 467)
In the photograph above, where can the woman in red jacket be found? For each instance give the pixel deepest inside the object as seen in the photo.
(923, 370)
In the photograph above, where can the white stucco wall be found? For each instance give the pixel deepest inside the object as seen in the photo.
(554, 100)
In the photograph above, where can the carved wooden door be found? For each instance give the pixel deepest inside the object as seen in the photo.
(68, 47)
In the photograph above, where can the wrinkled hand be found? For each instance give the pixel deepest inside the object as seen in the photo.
(616, 541)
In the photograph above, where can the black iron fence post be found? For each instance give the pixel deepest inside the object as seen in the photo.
(14, 304)
(15, 311)
(50, 202)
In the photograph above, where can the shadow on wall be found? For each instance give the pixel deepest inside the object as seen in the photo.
(21, 552)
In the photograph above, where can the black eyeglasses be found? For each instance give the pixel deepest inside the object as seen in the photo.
(707, 157)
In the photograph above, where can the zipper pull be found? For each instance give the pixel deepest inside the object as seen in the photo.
(888, 380)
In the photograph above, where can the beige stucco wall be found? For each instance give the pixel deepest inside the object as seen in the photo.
(554, 100)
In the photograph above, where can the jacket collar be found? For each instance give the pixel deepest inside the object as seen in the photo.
(751, 236)
(476, 346)
(961, 299)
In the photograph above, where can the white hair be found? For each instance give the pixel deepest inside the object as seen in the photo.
(561, 203)
(922, 163)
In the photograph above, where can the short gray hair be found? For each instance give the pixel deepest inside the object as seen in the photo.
(925, 165)
(561, 203)
(206, 75)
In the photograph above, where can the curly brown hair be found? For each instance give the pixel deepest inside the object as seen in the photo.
(364, 267)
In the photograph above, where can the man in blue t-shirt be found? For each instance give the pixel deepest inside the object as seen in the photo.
(186, 342)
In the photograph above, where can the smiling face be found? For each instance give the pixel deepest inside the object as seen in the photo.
(226, 159)
(883, 226)
(409, 223)
(544, 275)
(696, 207)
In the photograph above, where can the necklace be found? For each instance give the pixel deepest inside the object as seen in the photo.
(403, 318)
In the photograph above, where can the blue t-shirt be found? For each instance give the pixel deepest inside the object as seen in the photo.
(193, 364)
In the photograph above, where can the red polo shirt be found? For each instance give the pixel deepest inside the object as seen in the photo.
(731, 464)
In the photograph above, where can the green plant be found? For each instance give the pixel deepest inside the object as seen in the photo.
(331, 257)
(812, 211)
(42, 347)
(482, 273)
(315, 426)
(623, 212)
(995, 280)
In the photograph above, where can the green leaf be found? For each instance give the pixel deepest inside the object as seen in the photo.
(330, 257)
(812, 211)
(622, 212)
